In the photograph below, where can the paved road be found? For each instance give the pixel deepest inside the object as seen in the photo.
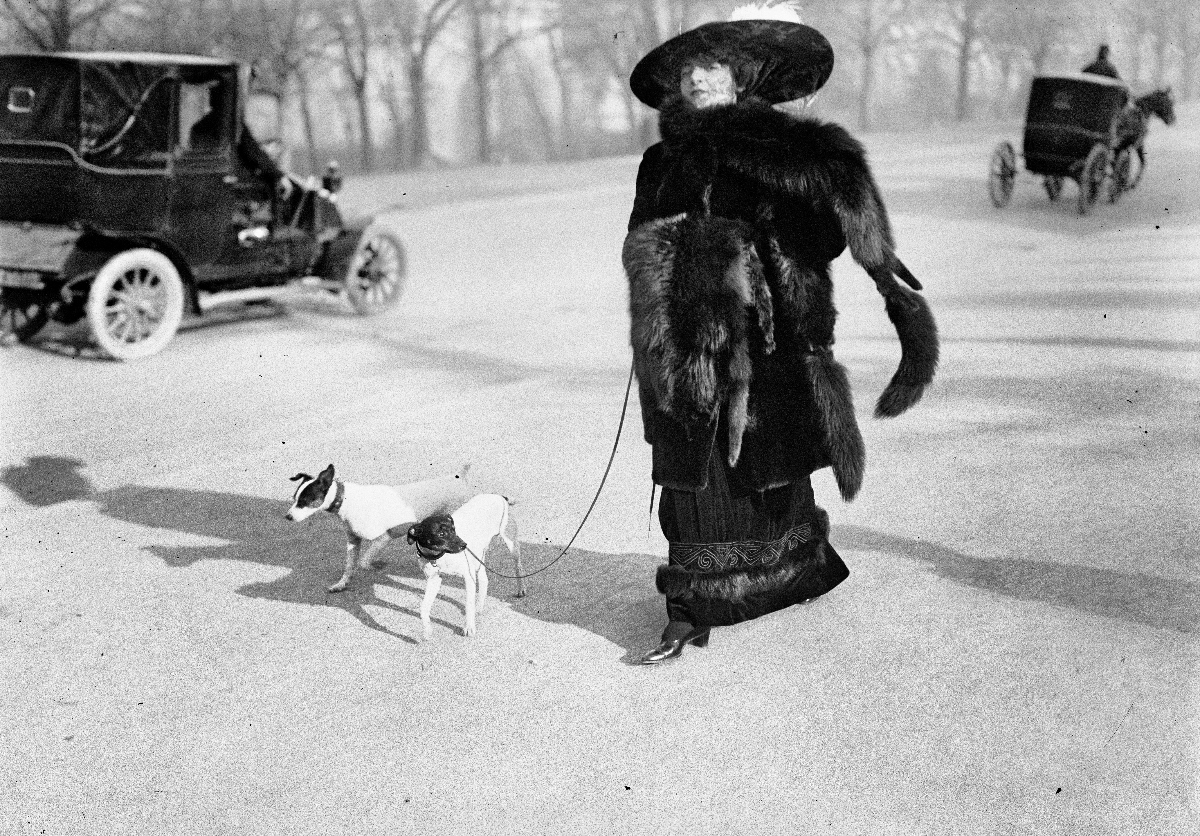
(1015, 651)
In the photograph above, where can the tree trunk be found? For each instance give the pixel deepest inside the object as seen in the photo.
(962, 106)
(867, 82)
(60, 26)
(307, 118)
(479, 74)
(418, 110)
(364, 120)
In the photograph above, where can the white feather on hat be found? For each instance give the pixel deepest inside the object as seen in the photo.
(788, 11)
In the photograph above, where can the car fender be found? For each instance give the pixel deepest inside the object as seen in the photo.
(339, 249)
(93, 249)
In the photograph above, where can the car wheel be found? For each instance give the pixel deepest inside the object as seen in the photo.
(376, 276)
(135, 304)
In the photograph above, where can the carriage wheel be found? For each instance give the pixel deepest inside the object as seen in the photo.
(1091, 178)
(1002, 172)
(1122, 169)
(1053, 186)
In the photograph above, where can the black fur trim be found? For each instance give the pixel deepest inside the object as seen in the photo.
(740, 584)
(835, 406)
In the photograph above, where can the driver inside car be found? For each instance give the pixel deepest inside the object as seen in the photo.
(205, 135)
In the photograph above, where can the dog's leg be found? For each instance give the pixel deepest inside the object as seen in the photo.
(514, 547)
(352, 544)
(433, 582)
(367, 555)
(469, 577)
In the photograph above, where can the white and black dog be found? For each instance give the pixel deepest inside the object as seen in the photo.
(457, 544)
(374, 515)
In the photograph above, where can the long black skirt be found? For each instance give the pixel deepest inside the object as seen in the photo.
(736, 554)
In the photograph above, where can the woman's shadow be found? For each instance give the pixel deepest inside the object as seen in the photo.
(1134, 597)
(610, 595)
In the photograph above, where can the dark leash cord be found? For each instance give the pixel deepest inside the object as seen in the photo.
(595, 499)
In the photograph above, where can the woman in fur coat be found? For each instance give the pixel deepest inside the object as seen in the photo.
(739, 211)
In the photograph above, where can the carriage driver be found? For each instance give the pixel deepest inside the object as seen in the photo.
(1102, 66)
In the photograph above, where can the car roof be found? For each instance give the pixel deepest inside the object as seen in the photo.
(152, 58)
(1090, 78)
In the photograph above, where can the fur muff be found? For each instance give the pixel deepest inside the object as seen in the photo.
(822, 164)
(694, 282)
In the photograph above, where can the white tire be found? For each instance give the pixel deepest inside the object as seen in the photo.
(135, 304)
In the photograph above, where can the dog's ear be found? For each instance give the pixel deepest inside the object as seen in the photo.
(326, 476)
(412, 534)
(300, 477)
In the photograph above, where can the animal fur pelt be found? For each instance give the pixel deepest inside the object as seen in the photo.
(696, 289)
(821, 164)
(843, 440)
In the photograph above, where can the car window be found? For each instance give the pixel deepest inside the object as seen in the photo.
(202, 117)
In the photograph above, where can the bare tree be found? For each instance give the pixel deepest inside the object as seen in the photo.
(414, 30)
(494, 27)
(183, 26)
(873, 25)
(56, 25)
(967, 19)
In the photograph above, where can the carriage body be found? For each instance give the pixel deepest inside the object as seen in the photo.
(1066, 117)
(1070, 132)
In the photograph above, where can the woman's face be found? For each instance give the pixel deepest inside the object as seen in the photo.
(705, 85)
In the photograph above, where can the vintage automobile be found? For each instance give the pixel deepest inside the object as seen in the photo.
(1070, 133)
(130, 195)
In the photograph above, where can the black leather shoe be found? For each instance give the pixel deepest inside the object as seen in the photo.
(673, 647)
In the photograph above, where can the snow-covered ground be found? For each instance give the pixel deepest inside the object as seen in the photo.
(1015, 651)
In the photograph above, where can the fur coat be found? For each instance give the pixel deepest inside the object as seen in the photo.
(738, 213)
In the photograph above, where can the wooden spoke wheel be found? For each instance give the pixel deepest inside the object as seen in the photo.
(1002, 174)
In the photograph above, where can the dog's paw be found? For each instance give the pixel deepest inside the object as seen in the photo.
(340, 586)
(427, 632)
(469, 631)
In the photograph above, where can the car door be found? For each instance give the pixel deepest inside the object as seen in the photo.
(221, 211)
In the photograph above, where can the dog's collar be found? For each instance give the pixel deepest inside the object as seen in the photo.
(339, 495)
(428, 555)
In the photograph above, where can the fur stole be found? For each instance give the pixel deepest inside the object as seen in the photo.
(692, 282)
(822, 164)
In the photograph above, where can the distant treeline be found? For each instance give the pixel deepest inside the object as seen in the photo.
(412, 83)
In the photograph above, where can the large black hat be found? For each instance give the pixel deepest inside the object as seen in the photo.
(775, 60)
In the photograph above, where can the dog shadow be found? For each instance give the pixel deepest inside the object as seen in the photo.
(47, 480)
(255, 531)
(610, 595)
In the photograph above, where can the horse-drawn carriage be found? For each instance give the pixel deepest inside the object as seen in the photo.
(1084, 128)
